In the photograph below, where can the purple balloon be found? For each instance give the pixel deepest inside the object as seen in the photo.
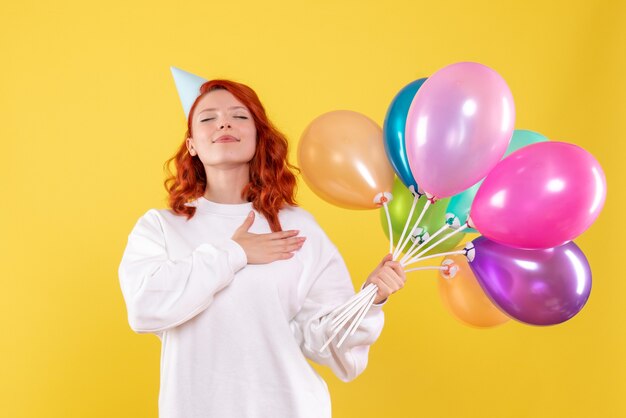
(540, 196)
(537, 287)
(458, 127)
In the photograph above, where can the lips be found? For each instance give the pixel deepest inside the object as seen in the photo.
(226, 138)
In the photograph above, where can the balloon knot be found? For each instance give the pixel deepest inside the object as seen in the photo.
(451, 269)
(382, 198)
(470, 251)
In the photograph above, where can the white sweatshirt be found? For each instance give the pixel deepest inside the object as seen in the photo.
(235, 335)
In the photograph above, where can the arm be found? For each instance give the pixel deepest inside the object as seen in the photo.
(312, 325)
(161, 293)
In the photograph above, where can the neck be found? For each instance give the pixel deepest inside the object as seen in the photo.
(225, 184)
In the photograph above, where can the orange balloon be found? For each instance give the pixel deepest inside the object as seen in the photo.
(343, 160)
(462, 295)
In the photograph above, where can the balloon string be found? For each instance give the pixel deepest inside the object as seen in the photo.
(413, 261)
(357, 321)
(366, 304)
(417, 257)
(339, 322)
(427, 268)
(419, 219)
(352, 302)
(412, 251)
(389, 226)
(359, 309)
(401, 242)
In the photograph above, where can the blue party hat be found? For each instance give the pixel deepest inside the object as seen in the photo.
(188, 86)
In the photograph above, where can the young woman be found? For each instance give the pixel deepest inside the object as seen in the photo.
(236, 280)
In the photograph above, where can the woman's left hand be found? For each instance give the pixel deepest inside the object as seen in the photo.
(388, 276)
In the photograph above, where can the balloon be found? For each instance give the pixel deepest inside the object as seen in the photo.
(342, 158)
(541, 196)
(393, 132)
(433, 220)
(537, 287)
(522, 138)
(464, 298)
(458, 127)
(461, 203)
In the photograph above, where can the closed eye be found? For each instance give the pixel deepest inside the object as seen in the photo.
(204, 120)
(241, 117)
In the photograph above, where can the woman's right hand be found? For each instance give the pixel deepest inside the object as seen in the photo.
(265, 248)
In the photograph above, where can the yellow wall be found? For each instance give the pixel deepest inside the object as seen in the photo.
(90, 113)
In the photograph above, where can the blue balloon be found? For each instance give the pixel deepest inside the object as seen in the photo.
(393, 133)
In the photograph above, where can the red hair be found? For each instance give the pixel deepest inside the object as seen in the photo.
(272, 182)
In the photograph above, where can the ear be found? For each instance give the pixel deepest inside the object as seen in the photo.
(190, 148)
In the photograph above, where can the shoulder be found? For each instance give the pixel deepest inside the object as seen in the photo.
(296, 212)
(294, 217)
(150, 219)
(157, 218)
(167, 215)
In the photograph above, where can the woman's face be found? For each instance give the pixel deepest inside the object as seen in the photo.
(224, 134)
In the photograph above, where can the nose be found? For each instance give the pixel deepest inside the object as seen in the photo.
(224, 125)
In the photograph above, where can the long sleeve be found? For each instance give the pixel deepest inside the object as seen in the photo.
(312, 324)
(161, 293)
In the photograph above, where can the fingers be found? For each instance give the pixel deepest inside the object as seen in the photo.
(281, 244)
(284, 252)
(270, 250)
(388, 281)
(397, 268)
(386, 258)
(268, 247)
(285, 248)
(284, 256)
(282, 234)
(272, 236)
(279, 239)
(383, 289)
(288, 245)
(391, 279)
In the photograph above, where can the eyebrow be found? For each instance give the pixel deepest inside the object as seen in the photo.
(230, 108)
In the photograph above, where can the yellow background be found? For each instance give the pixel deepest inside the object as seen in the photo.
(90, 113)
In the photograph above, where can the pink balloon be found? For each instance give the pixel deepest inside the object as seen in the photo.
(458, 127)
(541, 196)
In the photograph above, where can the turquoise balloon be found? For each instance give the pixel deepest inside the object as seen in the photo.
(460, 204)
(522, 138)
